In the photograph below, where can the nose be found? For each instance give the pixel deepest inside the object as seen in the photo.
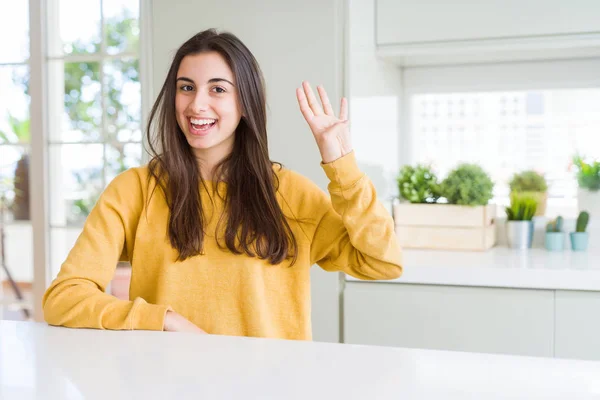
(199, 102)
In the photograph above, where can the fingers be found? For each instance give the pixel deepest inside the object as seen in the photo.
(304, 107)
(310, 107)
(312, 100)
(325, 100)
(344, 109)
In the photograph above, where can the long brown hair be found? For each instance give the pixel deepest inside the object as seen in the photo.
(256, 224)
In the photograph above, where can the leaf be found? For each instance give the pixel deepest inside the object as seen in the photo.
(4, 137)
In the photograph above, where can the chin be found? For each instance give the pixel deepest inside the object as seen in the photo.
(211, 143)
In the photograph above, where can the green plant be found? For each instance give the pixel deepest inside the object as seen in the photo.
(555, 225)
(528, 181)
(468, 185)
(19, 130)
(18, 192)
(582, 221)
(6, 190)
(588, 173)
(522, 207)
(86, 179)
(418, 184)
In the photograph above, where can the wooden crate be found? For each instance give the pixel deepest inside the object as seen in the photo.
(445, 227)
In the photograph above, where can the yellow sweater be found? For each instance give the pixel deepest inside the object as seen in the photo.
(221, 292)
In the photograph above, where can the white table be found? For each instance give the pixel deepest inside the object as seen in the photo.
(42, 362)
(503, 267)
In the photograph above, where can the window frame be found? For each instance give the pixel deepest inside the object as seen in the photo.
(42, 119)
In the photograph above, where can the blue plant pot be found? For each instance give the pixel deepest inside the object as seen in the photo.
(555, 241)
(579, 241)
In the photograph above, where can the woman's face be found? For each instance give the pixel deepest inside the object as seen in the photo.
(207, 104)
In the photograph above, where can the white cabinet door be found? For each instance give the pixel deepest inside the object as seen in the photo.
(577, 325)
(419, 21)
(491, 320)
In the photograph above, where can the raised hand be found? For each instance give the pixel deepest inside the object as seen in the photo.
(331, 133)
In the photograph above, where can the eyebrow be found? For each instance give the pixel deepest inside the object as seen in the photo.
(212, 80)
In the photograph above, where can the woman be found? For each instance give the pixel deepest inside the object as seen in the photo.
(221, 239)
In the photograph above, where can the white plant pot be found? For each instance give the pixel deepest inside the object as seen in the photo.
(589, 201)
(519, 234)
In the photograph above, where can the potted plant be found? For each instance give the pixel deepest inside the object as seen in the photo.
(555, 237)
(588, 178)
(468, 185)
(418, 184)
(533, 184)
(519, 224)
(580, 238)
(466, 222)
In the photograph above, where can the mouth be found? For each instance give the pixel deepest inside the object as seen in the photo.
(201, 126)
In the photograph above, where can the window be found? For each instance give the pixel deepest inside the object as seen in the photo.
(94, 108)
(507, 124)
(15, 142)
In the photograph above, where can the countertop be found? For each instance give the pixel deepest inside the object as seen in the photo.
(42, 362)
(503, 267)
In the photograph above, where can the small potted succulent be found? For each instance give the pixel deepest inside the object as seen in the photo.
(533, 184)
(519, 220)
(580, 238)
(418, 184)
(555, 237)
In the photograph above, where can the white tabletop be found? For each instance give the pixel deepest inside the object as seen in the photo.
(503, 267)
(42, 362)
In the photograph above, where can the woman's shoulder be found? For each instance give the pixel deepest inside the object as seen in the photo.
(133, 179)
(295, 186)
(131, 174)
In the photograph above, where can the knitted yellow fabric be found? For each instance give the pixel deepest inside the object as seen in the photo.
(222, 293)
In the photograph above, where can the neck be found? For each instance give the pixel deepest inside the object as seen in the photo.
(207, 164)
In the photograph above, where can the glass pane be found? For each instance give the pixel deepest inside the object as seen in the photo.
(14, 104)
(375, 120)
(79, 23)
(75, 182)
(120, 157)
(123, 100)
(82, 116)
(18, 259)
(14, 31)
(14, 182)
(61, 242)
(508, 132)
(121, 19)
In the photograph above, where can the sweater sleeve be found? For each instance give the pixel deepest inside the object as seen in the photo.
(355, 233)
(77, 298)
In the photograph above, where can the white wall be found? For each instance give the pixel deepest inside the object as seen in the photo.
(292, 41)
(18, 250)
(374, 88)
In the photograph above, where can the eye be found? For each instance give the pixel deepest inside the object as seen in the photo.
(186, 88)
(219, 89)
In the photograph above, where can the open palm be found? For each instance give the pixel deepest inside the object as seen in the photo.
(331, 133)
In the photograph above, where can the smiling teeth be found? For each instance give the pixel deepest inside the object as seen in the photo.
(202, 121)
